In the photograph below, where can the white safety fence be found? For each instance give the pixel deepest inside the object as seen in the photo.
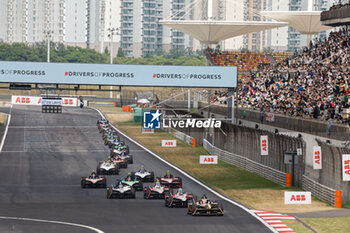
(180, 135)
(318, 190)
(247, 164)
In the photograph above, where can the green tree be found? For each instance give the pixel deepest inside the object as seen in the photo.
(120, 52)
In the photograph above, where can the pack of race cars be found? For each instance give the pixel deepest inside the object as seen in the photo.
(168, 187)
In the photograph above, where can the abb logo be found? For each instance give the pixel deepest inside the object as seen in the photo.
(168, 143)
(298, 198)
(347, 167)
(208, 159)
(23, 100)
(317, 163)
(264, 145)
(317, 157)
(67, 101)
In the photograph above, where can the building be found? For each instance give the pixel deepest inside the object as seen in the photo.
(287, 38)
(254, 41)
(141, 33)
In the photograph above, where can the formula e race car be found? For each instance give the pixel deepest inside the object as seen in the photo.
(111, 139)
(102, 121)
(113, 143)
(155, 192)
(107, 168)
(120, 148)
(109, 133)
(144, 175)
(120, 161)
(120, 191)
(204, 206)
(131, 181)
(178, 199)
(102, 128)
(171, 181)
(93, 181)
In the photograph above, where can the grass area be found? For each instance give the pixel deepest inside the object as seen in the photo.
(298, 227)
(2, 118)
(329, 225)
(246, 187)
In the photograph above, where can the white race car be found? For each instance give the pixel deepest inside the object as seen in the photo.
(144, 176)
(120, 191)
(107, 168)
(155, 192)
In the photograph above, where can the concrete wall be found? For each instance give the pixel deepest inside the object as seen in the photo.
(316, 127)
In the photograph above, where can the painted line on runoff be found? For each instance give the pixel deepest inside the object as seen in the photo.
(55, 222)
(6, 129)
(191, 177)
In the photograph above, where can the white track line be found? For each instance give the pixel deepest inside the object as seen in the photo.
(6, 129)
(190, 177)
(55, 222)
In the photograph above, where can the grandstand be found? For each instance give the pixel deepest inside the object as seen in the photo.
(245, 60)
(314, 84)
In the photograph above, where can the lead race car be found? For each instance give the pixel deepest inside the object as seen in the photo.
(155, 192)
(143, 175)
(205, 207)
(107, 167)
(178, 199)
(131, 181)
(120, 191)
(171, 181)
(93, 181)
(102, 121)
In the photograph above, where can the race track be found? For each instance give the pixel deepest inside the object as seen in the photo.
(43, 159)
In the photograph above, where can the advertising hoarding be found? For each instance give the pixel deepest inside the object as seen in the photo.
(124, 75)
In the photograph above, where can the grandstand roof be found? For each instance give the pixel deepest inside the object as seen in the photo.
(212, 32)
(305, 22)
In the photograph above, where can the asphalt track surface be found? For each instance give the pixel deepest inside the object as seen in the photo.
(41, 164)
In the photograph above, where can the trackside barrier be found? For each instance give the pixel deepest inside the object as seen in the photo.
(338, 198)
(125, 108)
(247, 164)
(183, 137)
(320, 191)
(289, 180)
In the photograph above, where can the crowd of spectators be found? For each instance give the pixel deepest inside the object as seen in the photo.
(220, 96)
(340, 4)
(313, 84)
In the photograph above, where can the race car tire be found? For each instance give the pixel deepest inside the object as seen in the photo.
(116, 170)
(141, 184)
(166, 201)
(180, 182)
(83, 184)
(151, 179)
(145, 193)
(131, 160)
(133, 195)
(133, 175)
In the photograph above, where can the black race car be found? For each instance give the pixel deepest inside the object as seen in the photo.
(93, 181)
